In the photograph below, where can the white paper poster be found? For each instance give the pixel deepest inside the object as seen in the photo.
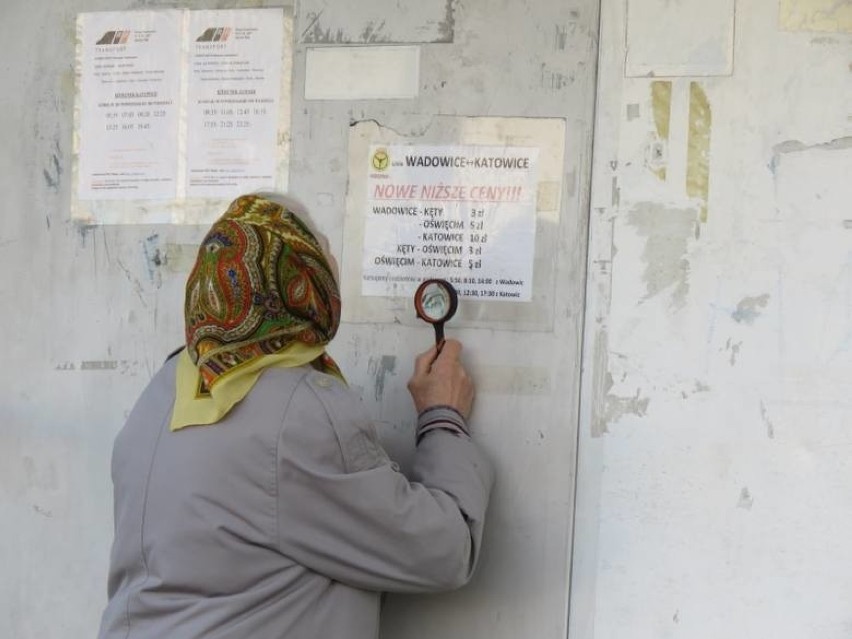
(185, 108)
(130, 85)
(466, 214)
(232, 106)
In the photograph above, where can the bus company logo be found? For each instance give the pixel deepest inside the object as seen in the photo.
(215, 34)
(380, 160)
(114, 37)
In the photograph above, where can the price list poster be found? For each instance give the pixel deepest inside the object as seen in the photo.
(177, 109)
(463, 213)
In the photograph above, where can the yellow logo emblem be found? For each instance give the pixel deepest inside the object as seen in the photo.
(380, 160)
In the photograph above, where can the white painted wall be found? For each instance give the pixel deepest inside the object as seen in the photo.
(89, 313)
(715, 472)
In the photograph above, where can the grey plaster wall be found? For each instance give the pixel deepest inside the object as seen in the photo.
(90, 312)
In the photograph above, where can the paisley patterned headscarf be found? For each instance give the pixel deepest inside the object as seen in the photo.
(261, 294)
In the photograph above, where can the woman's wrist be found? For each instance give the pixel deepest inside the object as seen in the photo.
(441, 417)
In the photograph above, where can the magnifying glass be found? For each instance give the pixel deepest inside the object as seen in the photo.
(436, 302)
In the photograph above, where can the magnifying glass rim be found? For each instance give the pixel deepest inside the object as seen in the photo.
(451, 292)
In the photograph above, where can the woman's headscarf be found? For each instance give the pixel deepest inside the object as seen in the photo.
(261, 294)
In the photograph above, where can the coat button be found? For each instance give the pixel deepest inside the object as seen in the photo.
(324, 382)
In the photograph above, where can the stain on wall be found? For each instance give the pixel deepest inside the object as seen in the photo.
(770, 427)
(667, 234)
(750, 308)
(154, 259)
(601, 383)
(330, 22)
(733, 348)
(52, 172)
(815, 15)
(746, 501)
(618, 406)
(380, 368)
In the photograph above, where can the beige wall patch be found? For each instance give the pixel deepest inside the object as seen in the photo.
(815, 15)
(698, 151)
(661, 102)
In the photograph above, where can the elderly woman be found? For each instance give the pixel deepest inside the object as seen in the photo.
(253, 499)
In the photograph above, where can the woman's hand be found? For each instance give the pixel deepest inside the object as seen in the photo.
(439, 379)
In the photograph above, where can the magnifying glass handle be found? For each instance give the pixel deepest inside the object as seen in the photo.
(439, 335)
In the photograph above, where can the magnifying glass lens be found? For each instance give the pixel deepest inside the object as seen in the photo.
(436, 302)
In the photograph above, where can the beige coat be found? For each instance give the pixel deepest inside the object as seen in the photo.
(286, 520)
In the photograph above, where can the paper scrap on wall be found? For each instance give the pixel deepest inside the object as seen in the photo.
(466, 214)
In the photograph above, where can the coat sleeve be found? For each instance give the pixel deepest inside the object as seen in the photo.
(347, 512)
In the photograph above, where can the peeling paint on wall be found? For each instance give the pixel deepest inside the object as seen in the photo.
(617, 406)
(748, 308)
(815, 15)
(608, 407)
(795, 146)
(698, 147)
(667, 233)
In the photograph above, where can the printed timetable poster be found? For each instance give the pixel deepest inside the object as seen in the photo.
(466, 214)
(178, 104)
(130, 85)
(232, 105)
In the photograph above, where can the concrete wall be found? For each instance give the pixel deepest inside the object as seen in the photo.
(90, 312)
(715, 479)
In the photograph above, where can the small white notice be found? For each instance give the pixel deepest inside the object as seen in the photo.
(232, 105)
(130, 82)
(466, 214)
